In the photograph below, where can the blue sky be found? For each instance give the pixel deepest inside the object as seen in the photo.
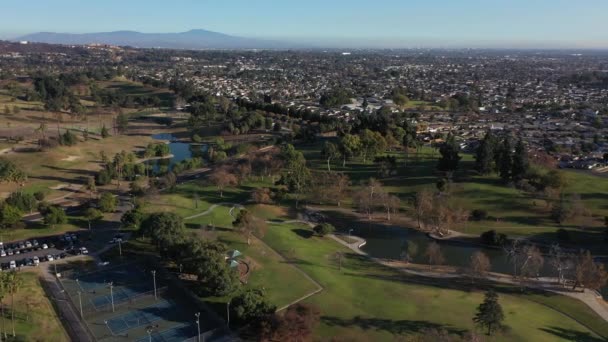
(527, 23)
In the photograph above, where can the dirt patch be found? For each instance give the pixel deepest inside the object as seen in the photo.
(70, 158)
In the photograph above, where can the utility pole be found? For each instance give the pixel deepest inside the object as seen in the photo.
(112, 295)
(149, 331)
(198, 326)
(154, 279)
(119, 248)
(80, 302)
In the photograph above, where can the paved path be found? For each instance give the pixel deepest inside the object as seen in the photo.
(589, 297)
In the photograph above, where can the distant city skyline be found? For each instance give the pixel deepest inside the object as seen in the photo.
(338, 23)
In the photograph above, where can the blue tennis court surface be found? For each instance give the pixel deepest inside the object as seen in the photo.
(121, 295)
(177, 334)
(92, 281)
(136, 318)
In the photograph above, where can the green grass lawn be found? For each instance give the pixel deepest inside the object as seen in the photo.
(376, 303)
(35, 318)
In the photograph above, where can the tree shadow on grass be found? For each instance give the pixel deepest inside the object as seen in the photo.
(571, 335)
(393, 326)
(303, 233)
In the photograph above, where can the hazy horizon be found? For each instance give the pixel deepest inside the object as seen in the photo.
(341, 24)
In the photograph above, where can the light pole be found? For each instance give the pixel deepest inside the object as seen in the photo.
(80, 302)
(350, 231)
(149, 331)
(112, 295)
(154, 279)
(119, 248)
(198, 326)
(228, 313)
(108, 326)
(55, 265)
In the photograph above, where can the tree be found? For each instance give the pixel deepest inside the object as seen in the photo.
(434, 254)
(560, 261)
(132, 218)
(13, 282)
(519, 166)
(251, 305)
(372, 143)
(349, 146)
(410, 250)
(91, 186)
(484, 158)
(588, 273)
(249, 225)
(104, 132)
(10, 172)
(450, 157)
(331, 187)
(262, 196)
(423, 204)
(329, 152)
(107, 202)
(10, 216)
(324, 229)
(92, 214)
(296, 176)
(504, 160)
(222, 178)
(163, 228)
(24, 201)
(55, 215)
(297, 324)
(390, 202)
(479, 265)
(489, 313)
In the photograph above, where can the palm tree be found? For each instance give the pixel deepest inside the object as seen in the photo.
(13, 282)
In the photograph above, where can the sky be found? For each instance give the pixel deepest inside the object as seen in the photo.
(363, 23)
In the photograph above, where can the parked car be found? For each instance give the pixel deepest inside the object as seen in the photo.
(50, 257)
(36, 261)
(12, 264)
(28, 244)
(45, 246)
(35, 242)
(9, 252)
(2, 253)
(83, 250)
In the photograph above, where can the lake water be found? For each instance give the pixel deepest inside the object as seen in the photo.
(179, 150)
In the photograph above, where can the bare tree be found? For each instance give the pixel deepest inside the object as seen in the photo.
(561, 262)
(390, 203)
(221, 178)
(479, 266)
(434, 254)
(588, 273)
(532, 261)
(423, 204)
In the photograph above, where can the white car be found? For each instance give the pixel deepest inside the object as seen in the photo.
(50, 257)
(84, 250)
(28, 244)
(2, 253)
(9, 252)
(36, 261)
(44, 246)
(12, 264)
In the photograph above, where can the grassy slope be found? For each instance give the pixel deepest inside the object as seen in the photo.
(43, 324)
(368, 300)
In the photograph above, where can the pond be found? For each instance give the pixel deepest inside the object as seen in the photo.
(179, 150)
(390, 242)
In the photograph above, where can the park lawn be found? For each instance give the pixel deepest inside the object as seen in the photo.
(510, 210)
(36, 230)
(377, 303)
(43, 324)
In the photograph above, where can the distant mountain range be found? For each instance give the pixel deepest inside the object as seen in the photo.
(193, 39)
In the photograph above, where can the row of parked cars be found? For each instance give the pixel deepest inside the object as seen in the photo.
(23, 247)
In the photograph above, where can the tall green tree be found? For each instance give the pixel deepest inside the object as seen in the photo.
(489, 313)
(349, 146)
(329, 152)
(296, 176)
(520, 164)
(504, 161)
(484, 156)
(450, 157)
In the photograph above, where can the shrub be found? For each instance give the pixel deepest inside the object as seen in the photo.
(39, 195)
(324, 229)
(479, 214)
(491, 237)
(562, 235)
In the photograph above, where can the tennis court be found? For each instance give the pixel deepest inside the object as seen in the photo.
(132, 302)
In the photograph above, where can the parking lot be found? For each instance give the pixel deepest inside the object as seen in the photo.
(25, 253)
